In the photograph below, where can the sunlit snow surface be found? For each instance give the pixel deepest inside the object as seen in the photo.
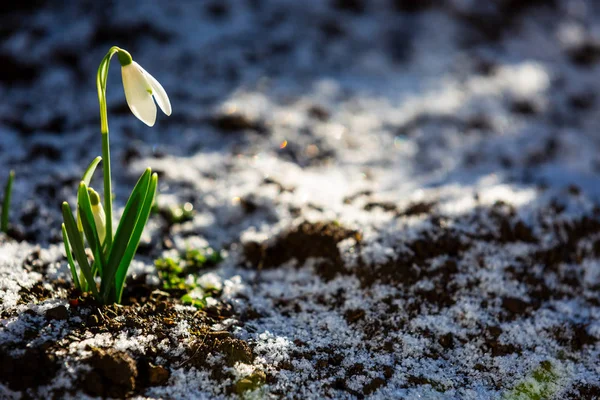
(345, 109)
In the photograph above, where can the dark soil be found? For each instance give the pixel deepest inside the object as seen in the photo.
(113, 373)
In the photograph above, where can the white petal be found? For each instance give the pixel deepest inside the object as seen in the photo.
(159, 93)
(137, 93)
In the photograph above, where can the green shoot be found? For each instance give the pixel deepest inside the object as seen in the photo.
(175, 214)
(76, 241)
(6, 202)
(174, 274)
(70, 258)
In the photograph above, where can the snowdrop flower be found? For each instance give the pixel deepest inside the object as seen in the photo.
(141, 89)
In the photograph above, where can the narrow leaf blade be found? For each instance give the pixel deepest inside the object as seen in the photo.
(78, 248)
(134, 241)
(87, 178)
(89, 225)
(122, 237)
(89, 172)
(70, 258)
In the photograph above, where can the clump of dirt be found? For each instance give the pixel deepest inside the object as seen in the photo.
(35, 367)
(207, 341)
(231, 351)
(353, 197)
(418, 208)
(494, 345)
(319, 241)
(568, 250)
(585, 391)
(155, 375)
(113, 374)
(561, 275)
(235, 122)
(575, 335)
(412, 209)
(402, 269)
(35, 293)
(307, 240)
(499, 224)
(384, 205)
(58, 313)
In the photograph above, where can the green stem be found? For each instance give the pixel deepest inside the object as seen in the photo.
(6, 202)
(107, 189)
(101, 79)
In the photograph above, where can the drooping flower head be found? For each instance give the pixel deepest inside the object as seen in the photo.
(141, 89)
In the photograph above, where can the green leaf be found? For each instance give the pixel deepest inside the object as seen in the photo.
(6, 201)
(89, 226)
(78, 249)
(136, 236)
(94, 269)
(70, 258)
(199, 303)
(89, 172)
(169, 272)
(123, 235)
(87, 178)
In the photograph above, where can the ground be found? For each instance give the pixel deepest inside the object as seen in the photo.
(378, 199)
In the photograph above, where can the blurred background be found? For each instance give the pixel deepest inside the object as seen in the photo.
(405, 189)
(328, 97)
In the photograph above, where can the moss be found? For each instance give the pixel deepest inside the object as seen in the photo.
(170, 273)
(175, 214)
(174, 272)
(250, 382)
(542, 384)
(196, 298)
(199, 259)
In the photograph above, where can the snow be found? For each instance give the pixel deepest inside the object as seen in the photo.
(408, 116)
